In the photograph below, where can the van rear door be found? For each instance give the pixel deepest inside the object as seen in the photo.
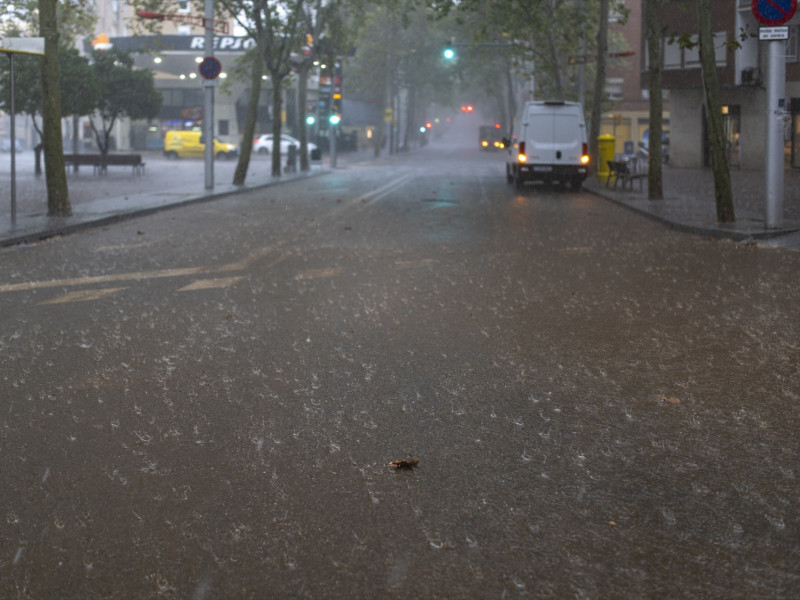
(553, 137)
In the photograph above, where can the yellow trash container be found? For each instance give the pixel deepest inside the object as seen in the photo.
(606, 144)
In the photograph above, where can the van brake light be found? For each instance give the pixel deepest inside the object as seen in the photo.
(521, 154)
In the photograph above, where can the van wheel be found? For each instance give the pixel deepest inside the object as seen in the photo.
(171, 155)
(576, 184)
(263, 151)
(518, 181)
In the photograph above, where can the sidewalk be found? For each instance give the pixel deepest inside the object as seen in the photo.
(98, 199)
(689, 205)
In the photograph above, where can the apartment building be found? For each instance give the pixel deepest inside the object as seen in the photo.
(741, 68)
(628, 120)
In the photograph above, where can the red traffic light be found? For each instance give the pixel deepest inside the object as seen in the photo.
(467, 108)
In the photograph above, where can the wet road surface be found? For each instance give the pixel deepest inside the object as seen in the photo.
(203, 403)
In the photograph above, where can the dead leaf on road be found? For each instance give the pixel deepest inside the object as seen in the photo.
(404, 464)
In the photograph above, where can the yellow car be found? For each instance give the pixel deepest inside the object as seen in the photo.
(186, 144)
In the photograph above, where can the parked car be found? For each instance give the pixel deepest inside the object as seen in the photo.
(549, 144)
(263, 145)
(186, 144)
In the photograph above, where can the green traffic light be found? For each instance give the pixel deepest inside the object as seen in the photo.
(334, 119)
(310, 119)
(449, 54)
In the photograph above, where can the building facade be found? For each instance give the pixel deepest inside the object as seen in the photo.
(741, 69)
(629, 118)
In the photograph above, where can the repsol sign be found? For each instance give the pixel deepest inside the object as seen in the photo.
(224, 43)
(177, 43)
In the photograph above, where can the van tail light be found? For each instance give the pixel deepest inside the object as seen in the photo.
(585, 154)
(521, 154)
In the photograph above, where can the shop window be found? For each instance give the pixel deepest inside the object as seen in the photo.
(793, 44)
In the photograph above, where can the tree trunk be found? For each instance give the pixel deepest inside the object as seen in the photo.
(277, 118)
(411, 128)
(302, 100)
(599, 85)
(655, 180)
(58, 204)
(553, 57)
(719, 157)
(249, 130)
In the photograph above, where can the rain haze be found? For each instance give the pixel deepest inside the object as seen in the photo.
(414, 366)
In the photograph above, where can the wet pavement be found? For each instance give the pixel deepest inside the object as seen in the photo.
(204, 403)
(688, 202)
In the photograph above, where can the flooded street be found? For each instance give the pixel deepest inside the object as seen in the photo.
(203, 403)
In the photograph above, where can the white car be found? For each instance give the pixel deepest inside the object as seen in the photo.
(263, 144)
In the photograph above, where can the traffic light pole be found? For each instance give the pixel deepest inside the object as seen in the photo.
(332, 139)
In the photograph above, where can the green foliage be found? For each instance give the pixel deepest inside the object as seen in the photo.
(76, 18)
(122, 92)
(79, 91)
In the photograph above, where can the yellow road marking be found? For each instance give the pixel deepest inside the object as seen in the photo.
(239, 265)
(318, 273)
(83, 295)
(207, 284)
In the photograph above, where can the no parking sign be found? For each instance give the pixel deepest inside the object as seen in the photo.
(774, 12)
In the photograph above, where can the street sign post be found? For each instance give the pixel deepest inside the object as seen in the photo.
(12, 46)
(773, 13)
(210, 67)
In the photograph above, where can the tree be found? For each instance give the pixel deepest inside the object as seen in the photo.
(58, 204)
(723, 192)
(276, 27)
(123, 91)
(21, 17)
(599, 83)
(78, 92)
(248, 131)
(654, 40)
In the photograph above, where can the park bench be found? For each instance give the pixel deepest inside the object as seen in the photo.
(620, 170)
(101, 163)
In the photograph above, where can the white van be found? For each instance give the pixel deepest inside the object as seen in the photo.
(549, 144)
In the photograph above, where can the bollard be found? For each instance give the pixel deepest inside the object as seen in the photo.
(291, 159)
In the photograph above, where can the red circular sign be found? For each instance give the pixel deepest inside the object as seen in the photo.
(774, 12)
(210, 68)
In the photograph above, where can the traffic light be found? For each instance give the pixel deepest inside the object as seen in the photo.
(448, 53)
(336, 109)
(310, 120)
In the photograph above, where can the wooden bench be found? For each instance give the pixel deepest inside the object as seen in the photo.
(620, 170)
(101, 163)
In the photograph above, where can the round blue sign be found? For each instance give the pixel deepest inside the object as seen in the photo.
(210, 68)
(774, 12)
